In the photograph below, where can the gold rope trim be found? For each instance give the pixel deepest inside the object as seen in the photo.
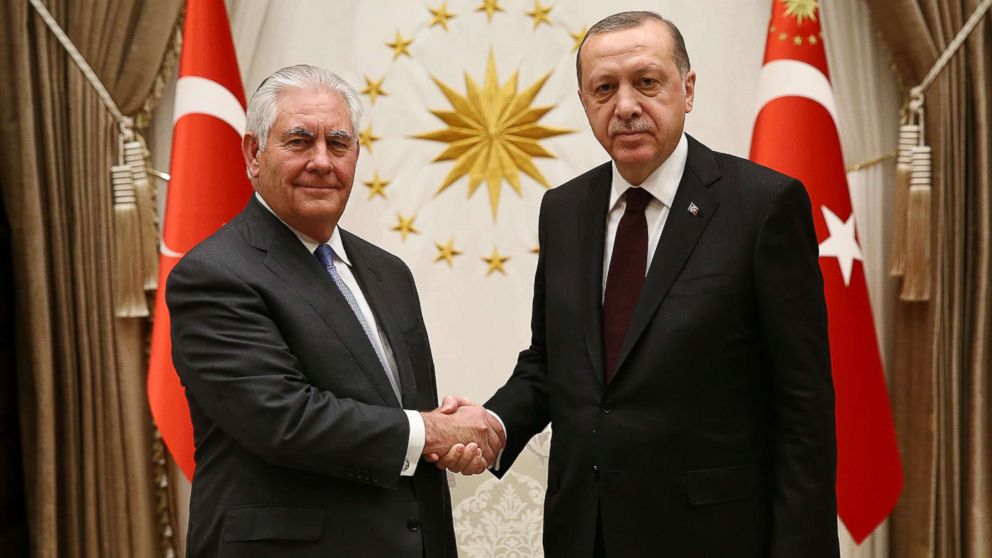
(163, 176)
(165, 507)
(163, 499)
(125, 122)
(143, 118)
(871, 162)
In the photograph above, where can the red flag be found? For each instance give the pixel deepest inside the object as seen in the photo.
(796, 133)
(208, 187)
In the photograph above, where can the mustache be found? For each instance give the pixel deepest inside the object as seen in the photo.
(632, 125)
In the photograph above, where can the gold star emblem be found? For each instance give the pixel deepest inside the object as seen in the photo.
(399, 46)
(812, 39)
(493, 133)
(783, 36)
(441, 15)
(797, 40)
(373, 89)
(540, 14)
(404, 225)
(446, 252)
(495, 262)
(377, 186)
(801, 9)
(577, 37)
(772, 28)
(367, 137)
(536, 249)
(490, 7)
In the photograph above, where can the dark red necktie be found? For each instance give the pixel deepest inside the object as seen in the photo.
(626, 275)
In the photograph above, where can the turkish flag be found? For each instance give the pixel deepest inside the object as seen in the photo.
(796, 134)
(208, 187)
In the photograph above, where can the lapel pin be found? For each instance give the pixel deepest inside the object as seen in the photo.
(694, 209)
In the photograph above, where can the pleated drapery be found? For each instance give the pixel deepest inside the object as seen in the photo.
(941, 378)
(86, 431)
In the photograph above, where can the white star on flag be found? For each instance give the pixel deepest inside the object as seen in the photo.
(841, 243)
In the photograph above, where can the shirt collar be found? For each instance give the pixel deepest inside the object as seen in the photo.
(311, 245)
(662, 183)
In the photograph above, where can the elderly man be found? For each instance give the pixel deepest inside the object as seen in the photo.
(679, 341)
(305, 359)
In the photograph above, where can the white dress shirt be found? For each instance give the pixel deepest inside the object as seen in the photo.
(418, 436)
(661, 184)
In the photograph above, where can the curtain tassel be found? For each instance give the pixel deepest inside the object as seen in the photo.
(129, 294)
(916, 280)
(909, 137)
(135, 156)
(916, 272)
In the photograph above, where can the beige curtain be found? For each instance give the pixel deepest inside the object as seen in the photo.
(86, 431)
(942, 374)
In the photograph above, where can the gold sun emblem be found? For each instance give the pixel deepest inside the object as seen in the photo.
(801, 9)
(493, 133)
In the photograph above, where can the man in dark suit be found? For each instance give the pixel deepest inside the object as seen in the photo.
(679, 338)
(305, 358)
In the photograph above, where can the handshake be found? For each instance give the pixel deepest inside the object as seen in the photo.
(462, 437)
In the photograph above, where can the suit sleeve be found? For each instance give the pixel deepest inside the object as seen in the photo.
(522, 404)
(793, 318)
(239, 371)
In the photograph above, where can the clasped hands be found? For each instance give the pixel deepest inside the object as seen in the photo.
(462, 437)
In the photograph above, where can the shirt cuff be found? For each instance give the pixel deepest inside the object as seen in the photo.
(499, 456)
(415, 445)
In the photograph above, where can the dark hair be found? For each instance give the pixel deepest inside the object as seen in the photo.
(629, 20)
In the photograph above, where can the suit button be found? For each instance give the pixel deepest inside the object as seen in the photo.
(413, 524)
(606, 407)
(595, 471)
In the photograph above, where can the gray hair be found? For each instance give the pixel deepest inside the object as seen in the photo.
(629, 20)
(262, 107)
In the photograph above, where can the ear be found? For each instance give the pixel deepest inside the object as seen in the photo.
(250, 151)
(690, 90)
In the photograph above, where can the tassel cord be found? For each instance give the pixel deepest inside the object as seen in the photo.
(976, 17)
(125, 122)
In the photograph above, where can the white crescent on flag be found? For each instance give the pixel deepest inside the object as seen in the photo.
(792, 78)
(197, 95)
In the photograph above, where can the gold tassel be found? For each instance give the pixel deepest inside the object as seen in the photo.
(135, 155)
(909, 135)
(916, 280)
(129, 296)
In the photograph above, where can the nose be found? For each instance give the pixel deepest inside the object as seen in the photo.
(628, 106)
(321, 162)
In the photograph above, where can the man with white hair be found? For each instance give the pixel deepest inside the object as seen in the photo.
(305, 359)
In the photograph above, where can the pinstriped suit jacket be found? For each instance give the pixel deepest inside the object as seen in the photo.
(716, 435)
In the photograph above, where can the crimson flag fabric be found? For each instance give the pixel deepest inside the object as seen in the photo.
(796, 133)
(208, 187)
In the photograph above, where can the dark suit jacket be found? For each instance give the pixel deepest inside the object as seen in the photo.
(716, 436)
(299, 437)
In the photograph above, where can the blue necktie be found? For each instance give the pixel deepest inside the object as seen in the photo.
(325, 254)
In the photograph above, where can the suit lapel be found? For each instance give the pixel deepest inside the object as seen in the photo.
(376, 290)
(678, 239)
(592, 221)
(288, 258)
